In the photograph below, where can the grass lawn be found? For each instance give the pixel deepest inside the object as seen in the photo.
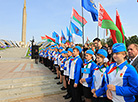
(3, 48)
(27, 55)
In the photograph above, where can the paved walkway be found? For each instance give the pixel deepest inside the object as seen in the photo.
(52, 98)
(28, 68)
(13, 65)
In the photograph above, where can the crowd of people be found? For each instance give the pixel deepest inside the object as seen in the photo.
(94, 73)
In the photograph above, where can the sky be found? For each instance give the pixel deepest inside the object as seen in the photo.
(47, 16)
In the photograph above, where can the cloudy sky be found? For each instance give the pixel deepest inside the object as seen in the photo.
(46, 16)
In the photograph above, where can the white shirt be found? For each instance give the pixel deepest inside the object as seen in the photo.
(133, 59)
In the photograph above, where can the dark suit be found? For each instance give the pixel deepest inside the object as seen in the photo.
(135, 64)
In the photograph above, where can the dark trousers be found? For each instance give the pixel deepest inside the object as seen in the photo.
(44, 61)
(36, 61)
(136, 100)
(101, 99)
(52, 62)
(48, 62)
(40, 59)
(68, 86)
(76, 96)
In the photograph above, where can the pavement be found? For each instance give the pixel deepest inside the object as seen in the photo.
(21, 80)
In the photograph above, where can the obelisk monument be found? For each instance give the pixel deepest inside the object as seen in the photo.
(24, 25)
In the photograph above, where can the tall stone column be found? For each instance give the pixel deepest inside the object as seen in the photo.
(24, 25)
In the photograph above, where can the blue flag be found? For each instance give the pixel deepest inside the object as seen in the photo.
(69, 35)
(63, 38)
(76, 30)
(90, 6)
(85, 70)
(56, 36)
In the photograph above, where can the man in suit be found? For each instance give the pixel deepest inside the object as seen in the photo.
(133, 58)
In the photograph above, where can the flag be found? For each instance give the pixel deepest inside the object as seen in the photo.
(69, 35)
(43, 38)
(76, 30)
(88, 41)
(90, 6)
(119, 26)
(104, 21)
(63, 38)
(78, 18)
(56, 36)
(50, 39)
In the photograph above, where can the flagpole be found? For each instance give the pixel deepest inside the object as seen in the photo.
(82, 32)
(82, 27)
(105, 34)
(97, 31)
(70, 31)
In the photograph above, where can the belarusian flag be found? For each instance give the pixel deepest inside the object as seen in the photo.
(43, 38)
(78, 18)
(119, 26)
(104, 21)
(50, 39)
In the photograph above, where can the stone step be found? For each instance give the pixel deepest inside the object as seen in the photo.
(27, 90)
(27, 84)
(27, 79)
(43, 93)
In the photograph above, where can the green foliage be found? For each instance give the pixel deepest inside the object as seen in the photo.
(27, 55)
(109, 42)
(4, 48)
(132, 39)
(103, 42)
(128, 41)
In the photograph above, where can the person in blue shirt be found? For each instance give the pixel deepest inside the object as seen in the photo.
(99, 82)
(62, 66)
(66, 73)
(122, 77)
(75, 74)
(58, 60)
(87, 73)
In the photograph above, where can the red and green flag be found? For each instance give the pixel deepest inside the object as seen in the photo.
(49, 39)
(104, 21)
(43, 38)
(78, 18)
(119, 26)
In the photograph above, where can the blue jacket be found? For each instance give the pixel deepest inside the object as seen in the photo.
(99, 81)
(88, 76)
(75, 69)
(125, 80)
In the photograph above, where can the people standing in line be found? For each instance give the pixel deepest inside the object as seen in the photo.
(66, 70)
(122, 77)
(55, 59)
(87, 73)
(59, 58)
(62, 67)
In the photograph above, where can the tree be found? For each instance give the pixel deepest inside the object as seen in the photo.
(132, 39)
(109, 41)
